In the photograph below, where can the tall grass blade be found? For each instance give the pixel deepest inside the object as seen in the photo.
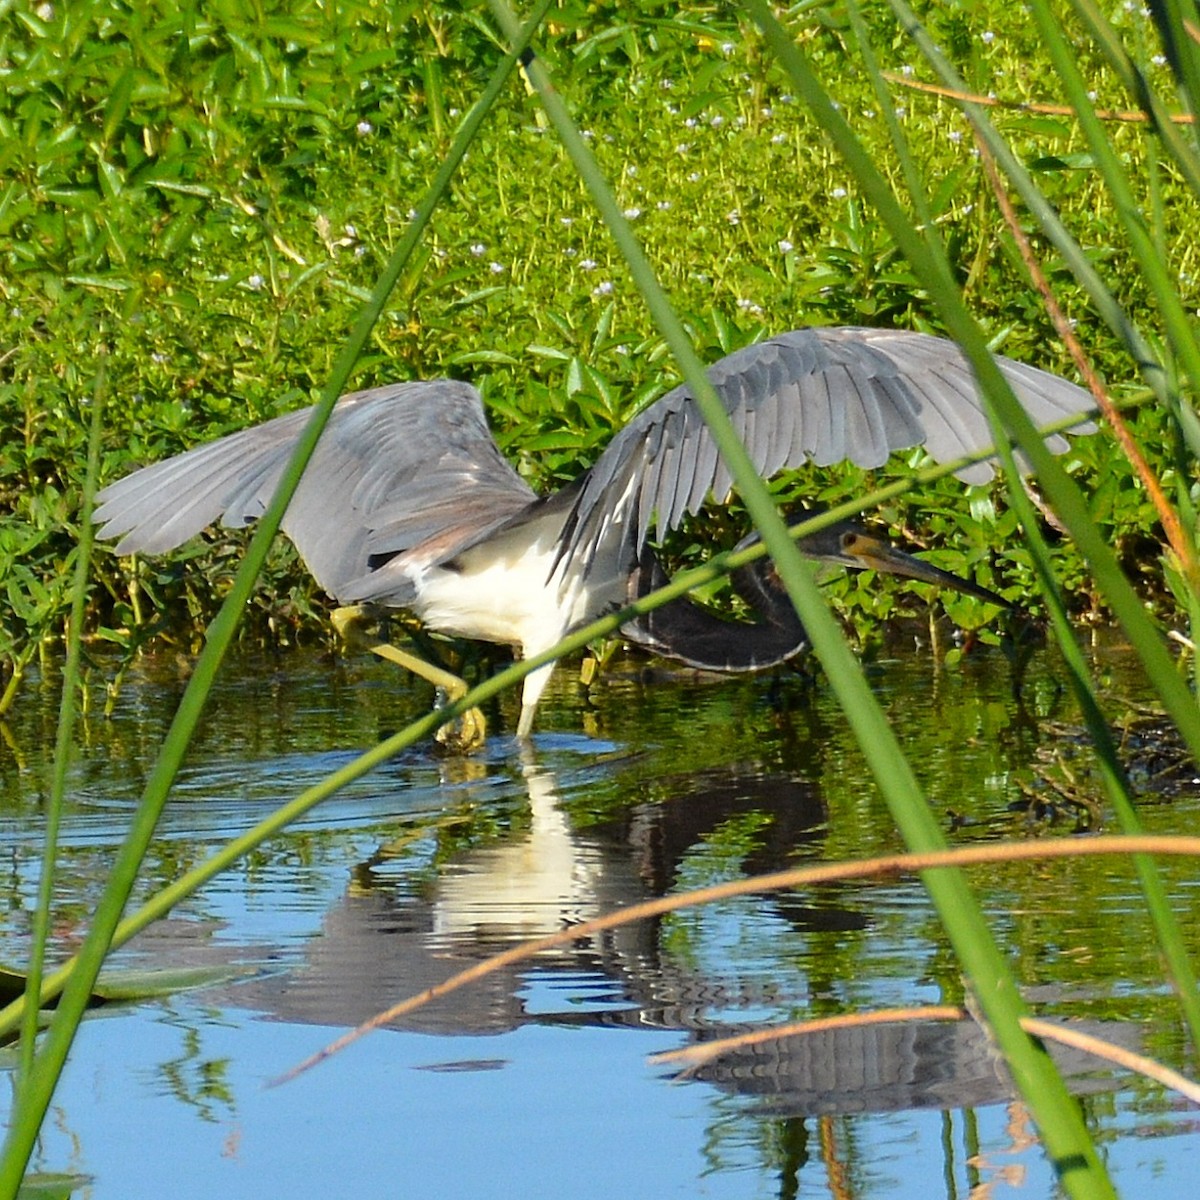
(1177, 21)
(1066, 1137)
(1113, 777)
(64, 740)
(1159, 668)
(1144, 249)
(1063, 494)
(40, 1081)
(1179, 143)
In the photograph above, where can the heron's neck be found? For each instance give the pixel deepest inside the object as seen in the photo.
(691, 634)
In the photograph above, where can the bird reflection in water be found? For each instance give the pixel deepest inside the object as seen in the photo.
(389, 938)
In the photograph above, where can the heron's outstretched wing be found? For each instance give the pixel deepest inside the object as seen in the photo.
(396, 467)
(820, 394)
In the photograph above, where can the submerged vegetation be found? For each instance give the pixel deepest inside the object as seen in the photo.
(198, 202)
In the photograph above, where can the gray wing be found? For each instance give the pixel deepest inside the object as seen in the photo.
(823, 395)
(398, 467)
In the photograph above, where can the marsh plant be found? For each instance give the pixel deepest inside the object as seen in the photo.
(214, 213)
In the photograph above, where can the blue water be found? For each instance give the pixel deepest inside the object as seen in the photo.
(536, 1081)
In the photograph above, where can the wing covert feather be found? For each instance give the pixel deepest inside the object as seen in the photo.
(395, 466)
(819, 394)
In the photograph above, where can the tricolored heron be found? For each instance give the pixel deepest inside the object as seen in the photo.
(407, 502)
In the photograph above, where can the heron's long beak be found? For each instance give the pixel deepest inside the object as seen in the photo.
(867, 552)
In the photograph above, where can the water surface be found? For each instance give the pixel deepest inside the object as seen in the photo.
(535, 1081)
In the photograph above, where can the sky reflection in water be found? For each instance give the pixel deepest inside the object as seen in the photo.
(536, 1080)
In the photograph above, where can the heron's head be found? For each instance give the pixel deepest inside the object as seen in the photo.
(850, 544)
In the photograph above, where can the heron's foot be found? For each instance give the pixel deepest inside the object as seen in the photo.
(357, 625)
(464, 735)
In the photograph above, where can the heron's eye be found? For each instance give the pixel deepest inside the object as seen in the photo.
(849, 541)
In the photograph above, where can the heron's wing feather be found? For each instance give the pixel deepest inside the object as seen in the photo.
(395, 467)
(824, 395)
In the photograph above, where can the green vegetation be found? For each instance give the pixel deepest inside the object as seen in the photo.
(200, 201)
(203, 195)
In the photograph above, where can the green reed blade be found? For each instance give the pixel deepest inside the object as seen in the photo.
(1112, 773)
(1065, 1137)
(39, 1083)
(63, 744)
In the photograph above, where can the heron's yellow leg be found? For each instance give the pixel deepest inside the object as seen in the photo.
(356, 623)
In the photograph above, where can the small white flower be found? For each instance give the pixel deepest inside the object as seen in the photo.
(768, 112)
(778, 139)
(682, 147)
(734, 216)
(566, 220)
(663, 205)
(363, 128)
(496, 268)
(988, 37)
(1159, 60)
(694, 177)
(158, 356)
(587, 135)
(727, 48)
(587, 264)
(666, 84)
(632, 214)
(478, 249)
(690, 122)
(256, 283)
(351, 232)
(631, 170)
(906, 70)
(838, 193)
(604, 288)
(955, 135)
(785, 247)
(716, 120)
(45, 12)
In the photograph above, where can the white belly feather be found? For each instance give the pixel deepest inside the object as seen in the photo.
(508, 590)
